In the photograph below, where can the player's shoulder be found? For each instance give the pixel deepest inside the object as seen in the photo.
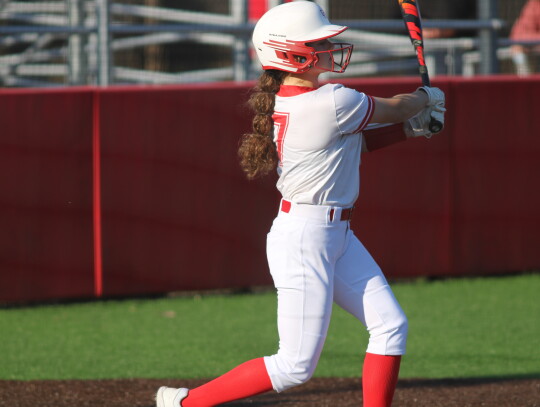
(346, 96)
(332, 87)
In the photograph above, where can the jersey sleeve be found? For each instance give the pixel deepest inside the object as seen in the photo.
(353, 109)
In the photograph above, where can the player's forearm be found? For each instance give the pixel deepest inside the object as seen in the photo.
(408, 104)
(399, 108)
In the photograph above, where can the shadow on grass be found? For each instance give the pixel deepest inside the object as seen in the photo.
(347, 392)
(464, 381)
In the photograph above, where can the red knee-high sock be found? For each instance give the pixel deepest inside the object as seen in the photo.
(248, 379)
(379, 379)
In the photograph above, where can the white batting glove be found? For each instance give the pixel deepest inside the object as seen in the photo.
(418, 125)
(435, 95)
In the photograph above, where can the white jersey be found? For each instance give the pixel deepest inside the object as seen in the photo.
(318, 137)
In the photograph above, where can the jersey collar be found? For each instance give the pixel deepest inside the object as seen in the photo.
(293, 90)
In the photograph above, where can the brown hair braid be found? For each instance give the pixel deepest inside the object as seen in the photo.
(257, 151)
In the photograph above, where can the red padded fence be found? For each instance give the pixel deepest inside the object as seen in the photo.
(45, 195)
(132, 191)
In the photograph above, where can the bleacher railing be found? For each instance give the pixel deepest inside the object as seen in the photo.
(76, 42)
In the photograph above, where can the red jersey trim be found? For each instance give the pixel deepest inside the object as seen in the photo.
(293, 90)
(368, 116)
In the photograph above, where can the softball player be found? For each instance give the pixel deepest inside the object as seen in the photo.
(313, 135)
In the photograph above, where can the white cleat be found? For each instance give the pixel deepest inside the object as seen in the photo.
(170, 397)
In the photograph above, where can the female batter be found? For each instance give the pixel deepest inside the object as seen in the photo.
(313, 135)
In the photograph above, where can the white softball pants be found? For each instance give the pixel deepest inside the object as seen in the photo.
(314, 262)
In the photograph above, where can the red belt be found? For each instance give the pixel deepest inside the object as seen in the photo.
(346, 213)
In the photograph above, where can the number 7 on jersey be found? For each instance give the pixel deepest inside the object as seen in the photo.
(281, 123)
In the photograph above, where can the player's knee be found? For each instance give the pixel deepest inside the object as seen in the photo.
(400, 330)
(285, 374)
(297, 375)
(397, 332)
(391, 338)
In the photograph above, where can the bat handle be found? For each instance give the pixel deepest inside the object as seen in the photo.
(435, 126)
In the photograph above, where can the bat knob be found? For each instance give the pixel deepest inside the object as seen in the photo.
(435, 126)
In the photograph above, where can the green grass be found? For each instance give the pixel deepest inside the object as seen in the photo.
(482, 327)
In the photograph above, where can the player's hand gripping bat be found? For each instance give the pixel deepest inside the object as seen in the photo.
(413, 22)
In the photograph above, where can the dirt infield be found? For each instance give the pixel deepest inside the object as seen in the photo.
(316, 393)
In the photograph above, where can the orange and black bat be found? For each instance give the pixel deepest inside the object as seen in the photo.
(413, 23)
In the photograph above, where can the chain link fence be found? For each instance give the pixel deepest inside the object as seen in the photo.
(99, 42)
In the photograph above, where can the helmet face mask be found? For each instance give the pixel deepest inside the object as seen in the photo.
(338, 57)
(300, 57)
(285, 35)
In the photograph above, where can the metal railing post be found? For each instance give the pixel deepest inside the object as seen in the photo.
(487, 38)
(77, 56)
(103, 42)
(242, 59)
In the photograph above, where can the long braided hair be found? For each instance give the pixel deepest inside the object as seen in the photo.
(257, 151)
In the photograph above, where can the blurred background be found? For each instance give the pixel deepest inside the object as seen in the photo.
(98, 42)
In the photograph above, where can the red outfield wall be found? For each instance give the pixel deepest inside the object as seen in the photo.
(129, 191)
